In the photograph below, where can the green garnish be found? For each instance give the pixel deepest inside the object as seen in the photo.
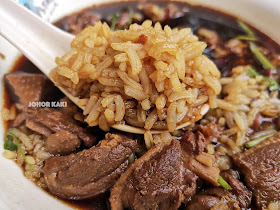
(273, 85)
(9, 141)
(115, 19)
(247, 38)
(252, 73)
(223, 183)
(261, 57)
(12, 144)
(257, 141)
(131, 13)
(250, 34)
(9, 145)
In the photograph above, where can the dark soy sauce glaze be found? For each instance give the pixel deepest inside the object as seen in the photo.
(194, 17)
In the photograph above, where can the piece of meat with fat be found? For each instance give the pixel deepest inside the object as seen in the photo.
(239, 190)
(159, 14)
(47, 121)
(261, 168)
(198, 139)
(90, 172)
(218, 198)
(20, 118)
(202, 202)
(209, 36)
(26, 87)
(62, 142)
(209, 174)
(209, 131)
(195, 142)
(76, 23)
(193, 146)
(157, 180)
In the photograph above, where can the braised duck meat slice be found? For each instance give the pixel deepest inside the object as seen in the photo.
(198, 139)
(239, 190)
(74, 24)
(203, 202)
(62, 142)
(47, 121)
(261, 167)
(194, 144)
(218, 198)
(157, 180)
(26, 87)
(159, 14)
(90, 172)
(209, 173)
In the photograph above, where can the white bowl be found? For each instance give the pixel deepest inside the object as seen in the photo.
(19, 193)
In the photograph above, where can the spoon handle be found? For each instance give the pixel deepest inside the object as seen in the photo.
(37, 39)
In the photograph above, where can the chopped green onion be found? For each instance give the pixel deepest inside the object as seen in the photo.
(9, 141)
(257, 141)
(9, 145)
(115, 19)
(247, 38)
(247, 29)
(261, 57)
(223, 183)
(252, 73)
(22, 154)
(13, 145)
(131, 13)
(273, 85)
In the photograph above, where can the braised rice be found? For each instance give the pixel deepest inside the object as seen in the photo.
(161, 71)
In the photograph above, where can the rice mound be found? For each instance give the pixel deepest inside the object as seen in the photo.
(148, 76)
(239, 109)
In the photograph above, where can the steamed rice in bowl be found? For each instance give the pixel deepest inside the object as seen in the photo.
(157, 78)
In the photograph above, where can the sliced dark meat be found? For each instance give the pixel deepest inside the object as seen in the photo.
(209, 131)
(226, 203)
(261, 167)
(195, 142)
(200, 137)
(39, 128)
(157, 180)
(203, 202)
(20, 118)
(159, 14)
(154, 12)
(26, 87)
(62, 142)
(193, 145)
(242, 194)
(124, 19)
(76, 23)
(172, 12)
(47, 121)
(219, 198)
(210, 37)
(90, 172)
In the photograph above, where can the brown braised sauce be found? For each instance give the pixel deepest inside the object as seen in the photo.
(195, 17)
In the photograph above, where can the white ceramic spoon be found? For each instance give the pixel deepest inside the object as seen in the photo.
(41, 42)
(38, 40)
